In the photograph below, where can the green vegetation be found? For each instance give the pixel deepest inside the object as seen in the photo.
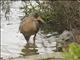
(64, 15)
(73, 52)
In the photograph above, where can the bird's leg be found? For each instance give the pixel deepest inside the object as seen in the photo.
(34, 39)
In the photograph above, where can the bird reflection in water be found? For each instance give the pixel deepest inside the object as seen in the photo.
(29, 50)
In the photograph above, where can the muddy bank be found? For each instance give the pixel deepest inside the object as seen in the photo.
(52, 56)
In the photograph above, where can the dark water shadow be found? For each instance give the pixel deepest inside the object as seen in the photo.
(29, 50)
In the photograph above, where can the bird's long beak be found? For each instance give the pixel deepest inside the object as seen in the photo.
(43, 21)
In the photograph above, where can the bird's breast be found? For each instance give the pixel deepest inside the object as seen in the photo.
(29, 27)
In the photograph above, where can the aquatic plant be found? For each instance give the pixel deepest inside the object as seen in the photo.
(72, 52)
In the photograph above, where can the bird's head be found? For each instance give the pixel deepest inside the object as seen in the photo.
(40, 20)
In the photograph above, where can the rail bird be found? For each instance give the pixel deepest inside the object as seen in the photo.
(30, 26)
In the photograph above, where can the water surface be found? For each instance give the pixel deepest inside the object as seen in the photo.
(13, 43)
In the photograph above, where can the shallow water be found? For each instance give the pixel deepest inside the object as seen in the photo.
(13, 43)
